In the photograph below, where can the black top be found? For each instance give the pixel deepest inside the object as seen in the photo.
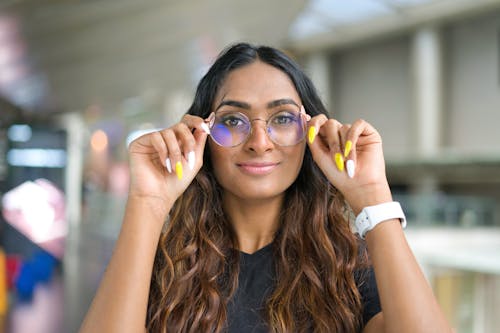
(256, 279)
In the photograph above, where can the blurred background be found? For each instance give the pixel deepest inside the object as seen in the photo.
(79, 79)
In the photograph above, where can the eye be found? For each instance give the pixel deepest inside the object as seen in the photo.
(284, 118)
(232, 120)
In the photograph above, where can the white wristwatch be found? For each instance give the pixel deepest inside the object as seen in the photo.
(372, 215)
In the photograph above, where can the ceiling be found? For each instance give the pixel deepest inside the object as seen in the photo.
(88, 55)
(68, 55)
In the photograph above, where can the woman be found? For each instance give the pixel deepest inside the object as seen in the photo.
(258, 237)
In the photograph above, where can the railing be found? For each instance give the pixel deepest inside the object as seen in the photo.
(449, 210)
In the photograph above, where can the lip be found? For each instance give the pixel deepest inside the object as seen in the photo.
(257, 168)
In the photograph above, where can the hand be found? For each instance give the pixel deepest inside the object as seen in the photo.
(366, 184)
(182, 144)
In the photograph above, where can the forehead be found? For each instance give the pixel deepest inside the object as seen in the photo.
(257, 83)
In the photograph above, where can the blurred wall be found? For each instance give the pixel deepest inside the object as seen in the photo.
(373, 82)
(473, 84)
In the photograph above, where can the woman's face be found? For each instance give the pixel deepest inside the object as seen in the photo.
(257, 168)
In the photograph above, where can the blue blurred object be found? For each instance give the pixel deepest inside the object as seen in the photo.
(38, 268)
(25, 283)
(43, 266)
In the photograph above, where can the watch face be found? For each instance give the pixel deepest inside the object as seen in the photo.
(362, 223)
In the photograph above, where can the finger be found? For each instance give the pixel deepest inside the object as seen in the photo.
(187, 143)
(346, 143)
(314, 125)
(174, 157)
(330, 133)
(358, 130)
(200, 130)
(361, 129)
(195, 122)
(321, 149)
(346, 148)
(200, 138)
(156, 140)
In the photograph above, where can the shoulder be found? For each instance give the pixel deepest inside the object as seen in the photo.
(375, 324)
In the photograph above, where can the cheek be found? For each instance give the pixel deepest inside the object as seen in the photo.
(298, 156)
(216, 153)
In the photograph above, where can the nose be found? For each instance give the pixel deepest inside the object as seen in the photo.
(258, 139)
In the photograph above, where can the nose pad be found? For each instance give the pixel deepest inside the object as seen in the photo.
(258, 138)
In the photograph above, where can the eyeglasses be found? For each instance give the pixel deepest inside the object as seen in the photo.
(232, 128)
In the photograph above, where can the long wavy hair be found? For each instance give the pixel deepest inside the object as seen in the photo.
(316, 254)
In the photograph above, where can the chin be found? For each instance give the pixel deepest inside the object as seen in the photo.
(260, 192)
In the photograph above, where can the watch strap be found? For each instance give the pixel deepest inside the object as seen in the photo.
(372, 215)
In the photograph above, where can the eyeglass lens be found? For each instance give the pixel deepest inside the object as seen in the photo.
(231, 128)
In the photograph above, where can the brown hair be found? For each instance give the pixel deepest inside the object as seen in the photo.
(316, 254)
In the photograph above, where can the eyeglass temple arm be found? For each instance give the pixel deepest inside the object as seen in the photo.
(303, 110)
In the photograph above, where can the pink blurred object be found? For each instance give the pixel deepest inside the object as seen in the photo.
(37, 210)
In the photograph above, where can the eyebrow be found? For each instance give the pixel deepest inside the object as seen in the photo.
(279, 102)
(246, 106)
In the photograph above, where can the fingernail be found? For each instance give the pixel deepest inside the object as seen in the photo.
(348, 147)
(339, 161)
(178, 169)
(311, 134)
(205, 128)
(191, 158)
(349, 165)
(169, 165)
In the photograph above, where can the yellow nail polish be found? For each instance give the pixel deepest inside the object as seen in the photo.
(339, 161)
(178, 170)
(311, 134)
(348, 147)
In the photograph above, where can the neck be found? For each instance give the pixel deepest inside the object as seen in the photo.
(254, 221)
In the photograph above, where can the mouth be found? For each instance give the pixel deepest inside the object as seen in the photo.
(257, 168)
